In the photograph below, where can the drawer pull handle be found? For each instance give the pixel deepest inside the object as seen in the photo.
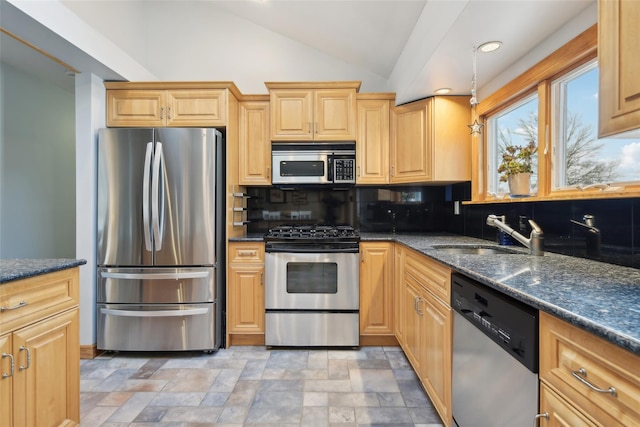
(10, 374)
(20, 305)
(247, 253)
(581, 375)
(23, 348)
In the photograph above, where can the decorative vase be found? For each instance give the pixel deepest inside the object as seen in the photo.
(519, 184)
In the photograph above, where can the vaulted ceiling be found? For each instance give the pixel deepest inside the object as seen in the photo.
(410, 47)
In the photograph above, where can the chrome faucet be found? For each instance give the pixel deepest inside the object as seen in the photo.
(593, 234)
(535, 242)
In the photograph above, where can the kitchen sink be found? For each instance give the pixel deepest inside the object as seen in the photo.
(475, 250)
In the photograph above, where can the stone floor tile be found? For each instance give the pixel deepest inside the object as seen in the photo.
(353, 399)
(148, 369)
(89, 400)
(318, 359)
(273, 414)
(142, 385)
(288, 359)
(369, 364)
(151, 414)
(338, 369)
(97, 415)
(277, 399)
(281, 385)
(424, 415)
(273, 373)
(203, 414)
(233, 414)
(215, 399)
(253, 369)
(383, 415)
(341, 414)
(192, 380)
(226, 380)
(315, 416)
(315, 398)
(306, 374)
(327, 385)
(177, 399)
(390, 399)
(132, 407)
(374, 380)
(116, 398)
(346, 354)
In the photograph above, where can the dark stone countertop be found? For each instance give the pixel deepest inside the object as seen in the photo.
(16, 269)
(601, 298)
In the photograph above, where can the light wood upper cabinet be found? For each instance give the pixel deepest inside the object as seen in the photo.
(376, 288)
(245, 289)
(160, 108)
(255, 146)
(574, 363)
(619, 61)
(313, 111)
(430, 141)
(170, 104)
(372, 144)
(42, 340)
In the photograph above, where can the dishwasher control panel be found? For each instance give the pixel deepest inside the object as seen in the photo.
(510, 323)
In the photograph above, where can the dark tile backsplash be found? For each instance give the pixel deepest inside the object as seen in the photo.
(431, 209)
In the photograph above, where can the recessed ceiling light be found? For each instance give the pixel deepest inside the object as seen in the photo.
(443, 91)
(489, 46)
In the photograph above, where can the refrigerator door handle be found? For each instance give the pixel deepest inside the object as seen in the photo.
(146, 216)
(136, 276)
(157, 197)
(156, 313)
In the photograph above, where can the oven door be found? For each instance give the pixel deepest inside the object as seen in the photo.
(312, 281)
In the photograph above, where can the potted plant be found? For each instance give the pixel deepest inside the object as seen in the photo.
(516, 168)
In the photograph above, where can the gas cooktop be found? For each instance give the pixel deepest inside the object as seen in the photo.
(313, 232)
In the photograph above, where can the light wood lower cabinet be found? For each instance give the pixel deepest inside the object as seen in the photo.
(245, 293)
(376, 288)
(427, 322)
(40, 365)
(558, 413)
(596, 379)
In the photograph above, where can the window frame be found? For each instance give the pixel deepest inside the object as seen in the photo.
(572, 55)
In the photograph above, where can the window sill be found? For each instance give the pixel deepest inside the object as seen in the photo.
(563, 195)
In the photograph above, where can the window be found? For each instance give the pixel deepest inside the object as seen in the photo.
(580, 159)
(514, 126)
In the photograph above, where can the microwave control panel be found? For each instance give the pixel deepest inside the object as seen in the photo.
(344, 170)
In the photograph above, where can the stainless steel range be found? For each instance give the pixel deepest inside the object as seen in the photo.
(312, 291)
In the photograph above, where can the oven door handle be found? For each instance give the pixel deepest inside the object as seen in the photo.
(155, 313)
(312, 251)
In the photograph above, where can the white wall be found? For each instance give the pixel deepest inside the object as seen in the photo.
(37, 193)
(90, 116)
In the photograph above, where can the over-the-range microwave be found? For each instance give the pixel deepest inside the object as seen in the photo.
(313, 163)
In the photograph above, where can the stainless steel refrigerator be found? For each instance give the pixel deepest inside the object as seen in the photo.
(160, 241)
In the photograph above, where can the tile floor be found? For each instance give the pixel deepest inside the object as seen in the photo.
(254, 386)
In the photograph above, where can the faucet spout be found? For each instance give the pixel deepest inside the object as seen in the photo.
(593, 234)
(535, 242)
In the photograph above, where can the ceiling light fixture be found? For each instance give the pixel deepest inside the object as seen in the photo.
(490, 46)
(443, 91)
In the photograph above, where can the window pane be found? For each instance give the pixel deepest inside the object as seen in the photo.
(517, 126)
(580, 158)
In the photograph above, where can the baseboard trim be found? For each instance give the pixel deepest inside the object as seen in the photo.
(378, 340)
(245, 339)
(89, 351)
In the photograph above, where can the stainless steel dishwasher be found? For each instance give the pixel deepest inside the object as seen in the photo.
(495, 357)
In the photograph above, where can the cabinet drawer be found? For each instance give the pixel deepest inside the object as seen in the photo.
(246, 252)
(575, 362)
(431, 274)
(28, 300)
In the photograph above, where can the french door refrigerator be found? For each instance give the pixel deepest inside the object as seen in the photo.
(160, 239)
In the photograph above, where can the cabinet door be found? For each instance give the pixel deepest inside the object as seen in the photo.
(246, 298)
(376, 290)
(136, 108)
(254, 154)
(436, 352)
(398, 289)
(410, 147)
(411, 322)
(372, 145)
(560, 413)
(291, 115)
(618, 47)
(335, 115)
(6, 381)
(196, 108)
(47, 379)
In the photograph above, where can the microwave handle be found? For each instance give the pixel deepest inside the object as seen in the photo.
(330, 168)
